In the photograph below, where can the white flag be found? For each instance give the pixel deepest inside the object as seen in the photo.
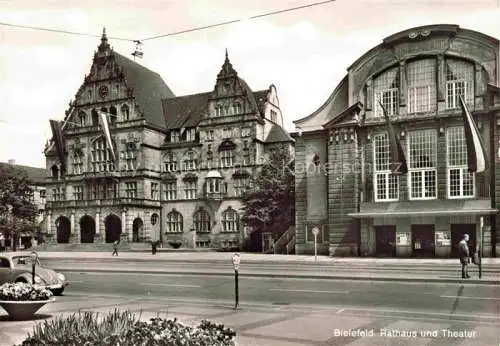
(103, 121)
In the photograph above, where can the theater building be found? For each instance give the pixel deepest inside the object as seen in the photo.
(344, 184)
(173, 168)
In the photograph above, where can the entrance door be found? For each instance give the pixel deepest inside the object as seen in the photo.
(457, 233)
(385, 241)
(422, 237)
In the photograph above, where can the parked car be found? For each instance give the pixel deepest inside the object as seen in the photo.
(17, 267)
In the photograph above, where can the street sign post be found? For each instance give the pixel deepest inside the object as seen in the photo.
(34, 259)
(236, 265)
(315, 232)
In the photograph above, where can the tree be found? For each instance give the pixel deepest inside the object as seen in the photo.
(270, 205)
(17, 211)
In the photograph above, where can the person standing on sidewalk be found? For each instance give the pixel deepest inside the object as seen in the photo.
(463, 250)
(115, 248)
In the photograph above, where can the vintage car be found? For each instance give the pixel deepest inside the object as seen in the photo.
(17, 267)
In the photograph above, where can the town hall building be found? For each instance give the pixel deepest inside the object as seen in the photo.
(172, 168)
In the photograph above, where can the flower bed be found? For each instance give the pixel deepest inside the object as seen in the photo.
(123, 328)
(21, 291)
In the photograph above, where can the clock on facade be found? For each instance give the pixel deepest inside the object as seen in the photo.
(103, 91)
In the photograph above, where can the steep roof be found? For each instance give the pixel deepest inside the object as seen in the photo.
(261, 99)
(185, 111)
(35, 174)
(277, 134)
(149, 89)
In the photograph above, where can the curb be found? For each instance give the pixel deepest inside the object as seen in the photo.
(266, 275)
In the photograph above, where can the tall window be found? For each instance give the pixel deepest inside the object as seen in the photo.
(131, 189)
(175, 136)
(130, 159)
(174, 222)
(59, 194)
(226, 157)
(125, 113)
(101, 157)
(386, 90)
(421, 76)
(78, 192)
(460, 180)
(95, 118)
(202, 221)
(459, 82)
(190, 163)
(77, 163)
(190, 135)
(241, 185)
(386, 184)
(171, 191)
(210, 135)
(274, 116)
(190, 188)
(170, 163)
(229, 220)
(422, 164)
(81, 118)
(155, 192)
(219, 110)
(237, 108)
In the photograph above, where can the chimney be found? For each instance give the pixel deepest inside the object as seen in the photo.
(12, 162)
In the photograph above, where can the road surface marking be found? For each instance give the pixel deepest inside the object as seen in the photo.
(309, 291)
(170, 285)
(74, 282)
(466, 297)
(340, 311)
(485, 316)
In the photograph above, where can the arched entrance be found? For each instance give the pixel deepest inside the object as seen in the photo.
(137, 230)
(87, 229)
(63, 229)
(113, 227)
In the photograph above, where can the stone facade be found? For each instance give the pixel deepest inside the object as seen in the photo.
(175, 167)
(417, 75)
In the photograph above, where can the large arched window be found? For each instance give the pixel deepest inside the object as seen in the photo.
(202, 221)
(421, 79)
(386, 91)
(174, 222)
(230, 220)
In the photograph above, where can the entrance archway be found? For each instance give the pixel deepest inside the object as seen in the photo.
(63, 229)
(137, 230)
(113, 228)
(87, 229)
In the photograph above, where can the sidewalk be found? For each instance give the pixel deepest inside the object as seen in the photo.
(254, 257)
(271, 325)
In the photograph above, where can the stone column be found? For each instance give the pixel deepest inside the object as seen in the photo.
(49, 223)
(72, 229)
(402, 84)
(97, 227)
(441, 80)
(124, 224)
(369, 95)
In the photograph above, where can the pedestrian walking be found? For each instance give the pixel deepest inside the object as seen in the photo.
(115, 248)
(463, 248)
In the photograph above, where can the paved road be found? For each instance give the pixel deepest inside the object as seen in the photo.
(452, 300)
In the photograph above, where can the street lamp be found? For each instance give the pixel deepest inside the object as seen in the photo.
(34, 259)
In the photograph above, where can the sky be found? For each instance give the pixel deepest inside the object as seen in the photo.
(304, 53)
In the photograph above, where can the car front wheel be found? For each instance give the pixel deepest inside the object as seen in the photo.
(58, 291)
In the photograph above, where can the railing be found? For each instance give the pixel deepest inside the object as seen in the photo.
(290, 247)
(102, 202)
(280, 245)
